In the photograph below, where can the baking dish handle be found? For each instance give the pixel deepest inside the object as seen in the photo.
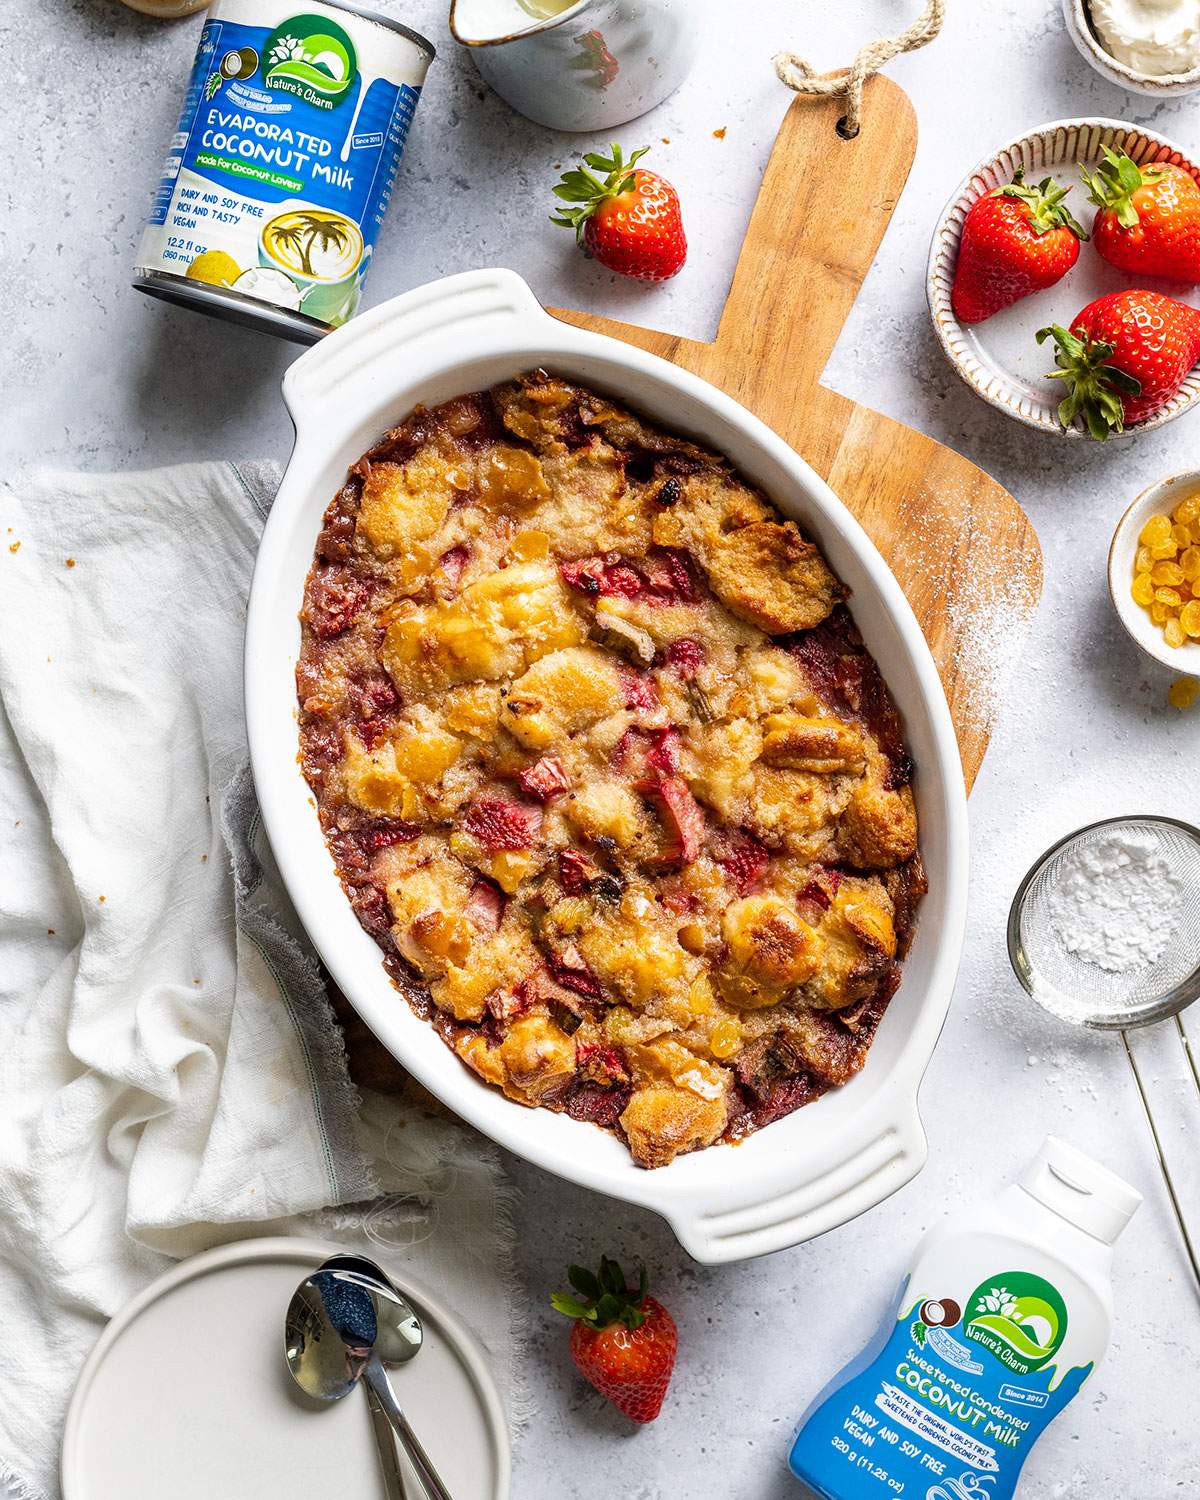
(872, 1170)
(376, 349)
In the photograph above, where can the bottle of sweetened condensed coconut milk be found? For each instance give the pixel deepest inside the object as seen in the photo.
(1006, 1312)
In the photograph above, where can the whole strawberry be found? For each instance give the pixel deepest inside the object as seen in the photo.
(623, 1341)
(1015, 240)
(627, 218)
(1124, 357)
(1149, 217)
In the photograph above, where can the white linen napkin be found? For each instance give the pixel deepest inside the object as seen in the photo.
(170, 1075)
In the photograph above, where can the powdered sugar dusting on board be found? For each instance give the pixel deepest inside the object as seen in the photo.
(988, 599)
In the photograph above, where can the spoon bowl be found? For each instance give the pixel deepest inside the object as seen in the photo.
(399, 1333)
(329, 1335)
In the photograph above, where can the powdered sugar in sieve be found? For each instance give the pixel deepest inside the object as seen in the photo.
(1105, 929)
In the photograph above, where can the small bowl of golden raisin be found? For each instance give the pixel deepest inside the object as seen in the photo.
(1154, 571)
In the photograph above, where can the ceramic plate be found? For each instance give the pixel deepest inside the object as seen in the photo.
(187, 1395)
(1000, 358)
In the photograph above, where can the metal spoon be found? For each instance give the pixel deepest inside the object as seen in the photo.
(330, 1337)
(398, 1339)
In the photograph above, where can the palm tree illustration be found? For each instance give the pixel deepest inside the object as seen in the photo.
(304, 233)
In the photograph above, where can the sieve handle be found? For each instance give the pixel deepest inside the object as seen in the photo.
(1158, 1150)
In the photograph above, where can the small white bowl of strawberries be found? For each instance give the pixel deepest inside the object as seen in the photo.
(1083, 329)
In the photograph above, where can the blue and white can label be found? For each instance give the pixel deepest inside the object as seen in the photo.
(278, 177)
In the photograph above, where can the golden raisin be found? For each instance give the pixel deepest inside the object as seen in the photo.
(1189, 563)
(1143, 562)
(1173, 632)
(571, 913)
(725, 1038)
(700, 997)
(1183, 691)
(1169, 597)
(1156, 531)
(1187, 510)
(1159, 613)
(1143, 590)
(1180, 535)
(1189, 617)
(1163, 550)
(1168, 573)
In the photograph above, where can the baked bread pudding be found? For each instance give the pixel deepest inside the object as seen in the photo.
(605, 768)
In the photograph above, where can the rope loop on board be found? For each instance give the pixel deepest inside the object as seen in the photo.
(798, 74)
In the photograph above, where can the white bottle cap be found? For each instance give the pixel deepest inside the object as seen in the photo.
(1080, 1189)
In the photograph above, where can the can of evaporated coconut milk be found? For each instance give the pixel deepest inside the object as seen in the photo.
(279, 174)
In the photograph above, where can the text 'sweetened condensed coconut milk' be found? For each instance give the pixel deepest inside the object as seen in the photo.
(279, 175)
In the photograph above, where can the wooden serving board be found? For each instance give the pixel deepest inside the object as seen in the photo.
(962, 548)
(960, 545)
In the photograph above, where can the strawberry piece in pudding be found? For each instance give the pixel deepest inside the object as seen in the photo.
(681, 817)
(501, 824)
(485, 907)
(742, 858)
(685, 657)
(544, 779)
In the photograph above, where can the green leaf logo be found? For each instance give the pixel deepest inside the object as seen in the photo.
(1018, 1317)
(311, 57)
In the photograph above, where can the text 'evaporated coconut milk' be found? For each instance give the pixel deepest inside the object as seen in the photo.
(278, 177)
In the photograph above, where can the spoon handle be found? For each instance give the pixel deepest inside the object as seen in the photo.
(428, 1475)
(389, 1462)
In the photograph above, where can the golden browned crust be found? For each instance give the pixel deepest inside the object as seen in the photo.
(604, 766)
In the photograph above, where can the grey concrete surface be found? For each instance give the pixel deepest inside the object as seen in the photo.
(97, 376)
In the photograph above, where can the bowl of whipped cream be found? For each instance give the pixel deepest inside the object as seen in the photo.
(1146, 46)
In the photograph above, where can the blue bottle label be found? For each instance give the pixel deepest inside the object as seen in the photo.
(948, 1407)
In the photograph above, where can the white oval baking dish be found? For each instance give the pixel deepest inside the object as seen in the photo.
(818, 1167)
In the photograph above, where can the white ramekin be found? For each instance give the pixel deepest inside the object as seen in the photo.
(1159, 499)
(1154, 86)
(806, 1173)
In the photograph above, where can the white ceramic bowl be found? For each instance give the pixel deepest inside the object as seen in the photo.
(1084, 35)
(1159, 499)
(1000, 358)
(806, 1173)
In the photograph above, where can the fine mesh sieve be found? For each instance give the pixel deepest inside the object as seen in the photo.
(1080, 991)
(1075, 990)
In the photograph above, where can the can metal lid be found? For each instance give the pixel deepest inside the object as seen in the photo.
(382, 19)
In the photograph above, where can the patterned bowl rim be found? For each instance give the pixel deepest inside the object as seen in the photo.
(1142, 144)
(1152, 85)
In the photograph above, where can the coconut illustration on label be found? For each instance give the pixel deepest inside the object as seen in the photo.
(278, 177)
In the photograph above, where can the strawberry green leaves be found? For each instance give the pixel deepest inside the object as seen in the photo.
(582, 187)
(1047, 209)
(604, 1298)
(1114, 182)
(1096, 387)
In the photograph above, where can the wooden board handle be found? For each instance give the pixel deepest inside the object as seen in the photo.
(817, 225)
